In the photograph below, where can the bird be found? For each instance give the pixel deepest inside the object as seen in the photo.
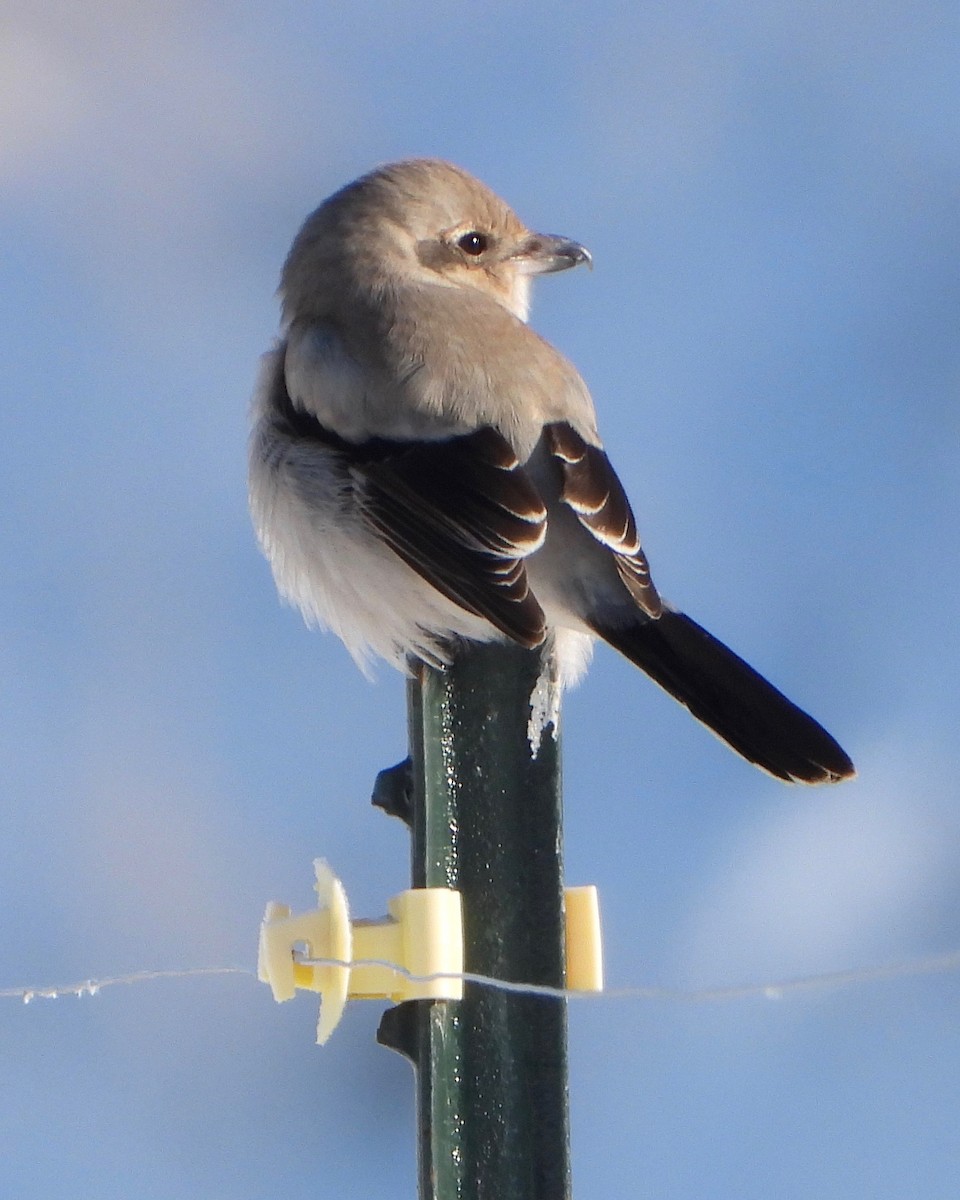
(425, 469)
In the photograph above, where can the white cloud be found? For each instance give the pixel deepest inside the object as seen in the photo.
(81, 82)
(41, 101)
(141, 130)
(836, 879)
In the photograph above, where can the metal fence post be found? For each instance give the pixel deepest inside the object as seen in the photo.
(485, 817)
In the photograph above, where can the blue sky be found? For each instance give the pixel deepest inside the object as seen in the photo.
(770, 193)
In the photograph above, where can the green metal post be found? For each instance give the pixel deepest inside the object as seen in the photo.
(485, 817)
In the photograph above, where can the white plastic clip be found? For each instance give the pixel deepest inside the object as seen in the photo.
(584, 943)
(423, 936)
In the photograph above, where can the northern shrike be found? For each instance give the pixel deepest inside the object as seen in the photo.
(424, 468)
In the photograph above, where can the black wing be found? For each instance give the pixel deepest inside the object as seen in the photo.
(463, 514)
(715, 684)
(461, 511)
(592, 489)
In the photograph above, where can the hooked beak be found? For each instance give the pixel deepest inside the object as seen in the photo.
(543, 253)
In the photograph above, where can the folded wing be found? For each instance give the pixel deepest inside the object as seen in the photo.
(591, 488)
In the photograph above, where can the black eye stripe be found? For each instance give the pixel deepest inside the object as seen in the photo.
(473, 242)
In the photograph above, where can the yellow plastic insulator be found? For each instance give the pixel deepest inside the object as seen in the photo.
(422, 936)
(584, 944)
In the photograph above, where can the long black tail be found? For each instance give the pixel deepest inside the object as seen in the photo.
(729, 696)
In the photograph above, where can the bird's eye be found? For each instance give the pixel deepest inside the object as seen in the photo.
(472, 243)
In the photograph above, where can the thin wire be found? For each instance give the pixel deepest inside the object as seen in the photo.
(90, 987)
(939, 964)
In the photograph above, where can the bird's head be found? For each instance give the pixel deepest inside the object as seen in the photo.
(421, 221)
